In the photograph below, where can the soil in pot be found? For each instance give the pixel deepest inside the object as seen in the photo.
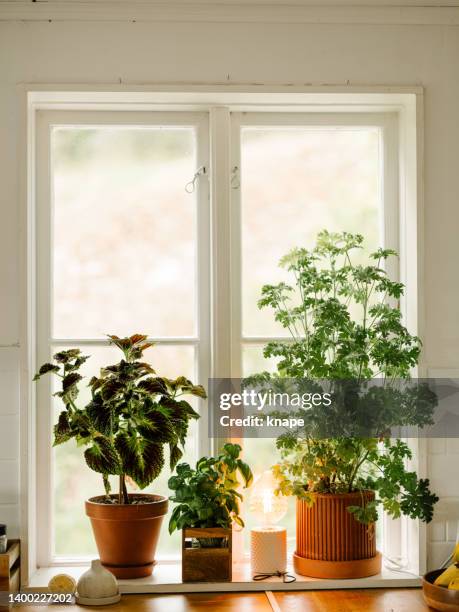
(331, 543)
(127, 534)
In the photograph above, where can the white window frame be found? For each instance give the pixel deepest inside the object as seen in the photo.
(218, 102)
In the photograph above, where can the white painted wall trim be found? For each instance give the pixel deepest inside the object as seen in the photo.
(280, 3)
(400, 12)
(187, 96)
(27, 402)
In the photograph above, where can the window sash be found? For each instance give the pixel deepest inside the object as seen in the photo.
(387, 123)
(45, 341)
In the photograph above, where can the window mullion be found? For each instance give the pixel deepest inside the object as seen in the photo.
(236, 248)
(220, 241)
(172, 341)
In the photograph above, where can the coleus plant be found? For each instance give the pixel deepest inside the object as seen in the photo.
(346, 325)
(132, 414)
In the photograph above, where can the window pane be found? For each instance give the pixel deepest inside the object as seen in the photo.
(295, 182)
(124, 231)
(254, 362)
(74, 482)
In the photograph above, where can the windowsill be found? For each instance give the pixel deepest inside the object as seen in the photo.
(166, 578)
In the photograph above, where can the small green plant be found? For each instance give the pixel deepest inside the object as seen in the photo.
(132, 414)
(346, 325)
(207, 496)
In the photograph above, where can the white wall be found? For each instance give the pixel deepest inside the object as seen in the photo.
(147, 52)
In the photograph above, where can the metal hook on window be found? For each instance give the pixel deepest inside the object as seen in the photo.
(235, 180)
(191, 186)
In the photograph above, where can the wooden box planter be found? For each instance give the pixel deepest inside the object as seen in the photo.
(206, 564)
(330, 542)
(10, 573)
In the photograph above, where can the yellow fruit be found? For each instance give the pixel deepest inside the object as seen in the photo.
(62, 583)
(448, 576)
(456, 554)
(454, 584)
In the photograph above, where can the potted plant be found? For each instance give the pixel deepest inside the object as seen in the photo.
(132, 414)
(207, 505)
(346, 328)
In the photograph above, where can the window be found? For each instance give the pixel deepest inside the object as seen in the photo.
(299, 174)
(123, 248)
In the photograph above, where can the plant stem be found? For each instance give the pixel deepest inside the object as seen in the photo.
(123, 497)
(361, 460)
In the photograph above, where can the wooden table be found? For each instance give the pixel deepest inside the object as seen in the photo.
(365, 600)
(368, 600)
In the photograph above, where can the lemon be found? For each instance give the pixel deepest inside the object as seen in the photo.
(456, 554)
(62, 583)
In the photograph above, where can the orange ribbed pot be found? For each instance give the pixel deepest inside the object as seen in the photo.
(330, 543)
(127, 534)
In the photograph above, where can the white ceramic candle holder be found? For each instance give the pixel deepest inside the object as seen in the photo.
(268, 550)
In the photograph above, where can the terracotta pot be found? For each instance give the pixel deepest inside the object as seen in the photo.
(127, 535)
(330, 543)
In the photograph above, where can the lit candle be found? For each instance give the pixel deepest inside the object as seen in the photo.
(268, 542)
